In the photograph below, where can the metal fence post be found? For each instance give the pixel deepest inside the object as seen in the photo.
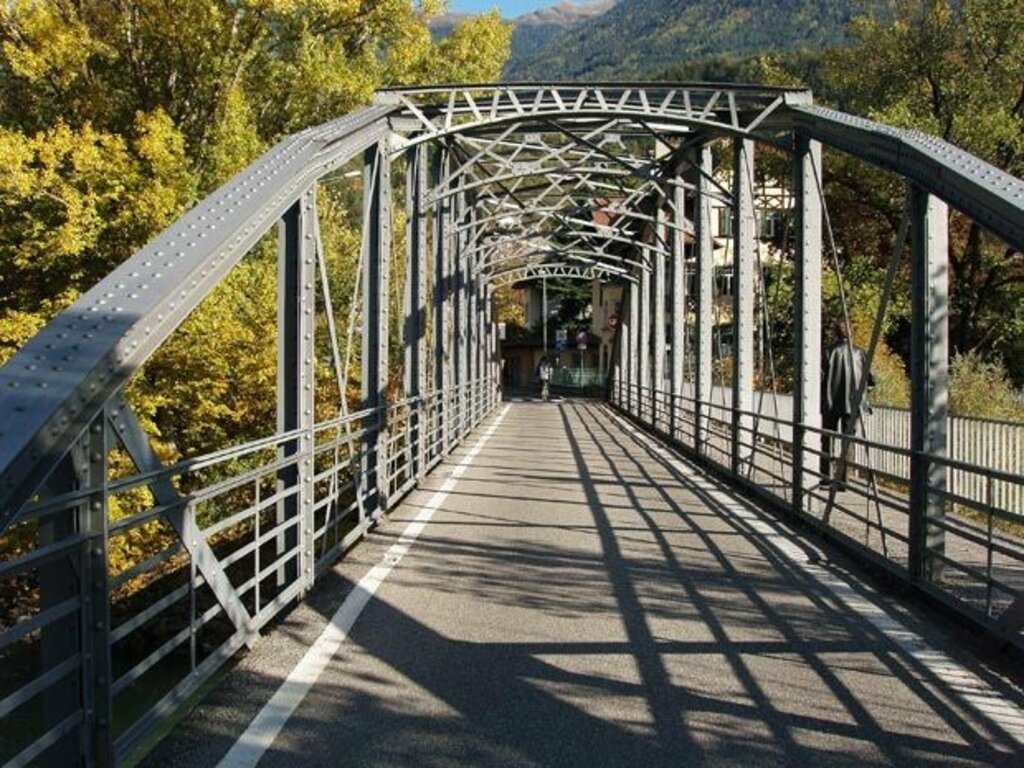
(377, 202)
(807, 352)
(744, 255)
(929, 393)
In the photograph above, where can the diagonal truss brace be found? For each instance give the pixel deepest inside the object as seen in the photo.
(125, 425)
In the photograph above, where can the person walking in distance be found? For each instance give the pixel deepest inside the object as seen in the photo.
(544, 377)
(842, 400)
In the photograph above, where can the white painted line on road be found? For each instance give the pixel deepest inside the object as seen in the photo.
(958, 680)
(265, 727)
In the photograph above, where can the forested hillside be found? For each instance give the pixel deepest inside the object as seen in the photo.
(642, 37)
(533, 31)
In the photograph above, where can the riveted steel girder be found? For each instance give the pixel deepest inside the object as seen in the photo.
(808, 338)
(929, 388)
(376, 276)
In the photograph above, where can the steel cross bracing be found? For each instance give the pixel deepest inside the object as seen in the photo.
(503, 184)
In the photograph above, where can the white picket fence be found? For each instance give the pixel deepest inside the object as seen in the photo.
(991, 445)
(994, 445)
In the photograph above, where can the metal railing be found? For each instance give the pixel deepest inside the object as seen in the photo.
(975, 546)
(574, 378)
(997, 445)
(181, 606)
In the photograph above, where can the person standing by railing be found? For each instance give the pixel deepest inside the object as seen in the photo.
(544, 377)
(841, 401)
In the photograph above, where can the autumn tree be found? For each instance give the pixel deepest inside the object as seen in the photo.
(955, 70)
(117, 115)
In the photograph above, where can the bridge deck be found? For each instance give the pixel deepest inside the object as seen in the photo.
(581, 598)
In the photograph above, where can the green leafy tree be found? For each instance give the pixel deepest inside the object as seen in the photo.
(954, 69)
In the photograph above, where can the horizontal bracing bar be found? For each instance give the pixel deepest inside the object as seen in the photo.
(455, 109)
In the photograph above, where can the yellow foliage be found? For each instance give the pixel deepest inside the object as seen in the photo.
(117, 116)
(18, 326)
(475, 52)
(509, 307)
(52, 42)
(234, 141)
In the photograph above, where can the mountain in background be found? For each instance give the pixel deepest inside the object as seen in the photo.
(535, 29)
(636, 38)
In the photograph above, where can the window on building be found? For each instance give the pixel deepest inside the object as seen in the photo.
(723, 280)
(724, 222)
(772, 225)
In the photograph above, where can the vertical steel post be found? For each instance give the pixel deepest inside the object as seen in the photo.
(59, 581)
(461, 315)
(491, 365)
(744, 261)
(415, 337)
(442, 289)
(90, 459)
(497, 384)
(929, 393)
(659, 293)
(544, 313)
(295, 385)
(376, 270)
(483, 328)
(678, 299)
(472, 327)
(704, 255)
(633, 363)
(807, 352)
(623, 375)
(644, 342)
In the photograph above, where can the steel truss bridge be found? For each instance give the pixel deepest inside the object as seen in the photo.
(499, 184)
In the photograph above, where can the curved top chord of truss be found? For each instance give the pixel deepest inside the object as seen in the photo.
(586, 168)
(992, 197)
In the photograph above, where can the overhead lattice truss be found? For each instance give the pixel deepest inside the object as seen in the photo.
(503, 184)
(571, 175)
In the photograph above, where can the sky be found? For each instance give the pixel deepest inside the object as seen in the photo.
(509, 8)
